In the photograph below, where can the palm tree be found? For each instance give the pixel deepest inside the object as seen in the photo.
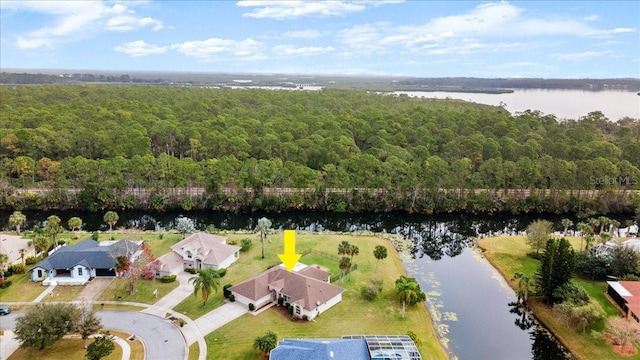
(603, 220)
(206, 281)
(345, 264)
(566, 223)
(614, 225)
(380, 252)
(111, 218)
(17, 218)
(74, 223)
(266, 343)
(22, 252)
(525, 285)
(353, 251)
(408, 292)
(344, 248)
(263, 227)
(53, 228)
(584, 229)
(4, 259)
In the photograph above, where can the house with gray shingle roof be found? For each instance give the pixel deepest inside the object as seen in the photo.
(307, 289)
(198, 251)
(76, 265)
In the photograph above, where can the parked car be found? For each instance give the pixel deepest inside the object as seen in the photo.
(4, 310)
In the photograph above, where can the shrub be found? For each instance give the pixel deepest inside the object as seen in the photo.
(280, 300)
(294, 317)
(305, 318)
(251, 307)
(233, 242)
(30, 260)
(371, 291)
(61, 242)
(190, 270)
(160, 236)
(168, 279)
(534, 255)
(95, 236)
(290, 309)
(222, 272)
(5, 284)
(245, 244)
(225, 290)
(232, 297)
(572, 293)
(630, 277)
(16, 269)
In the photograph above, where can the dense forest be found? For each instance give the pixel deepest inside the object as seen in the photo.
(132, 146)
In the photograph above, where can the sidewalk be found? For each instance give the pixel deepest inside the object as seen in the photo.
(46, 292)
(175, 297)
(8, 344)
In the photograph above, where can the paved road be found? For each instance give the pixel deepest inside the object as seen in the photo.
(162, 340)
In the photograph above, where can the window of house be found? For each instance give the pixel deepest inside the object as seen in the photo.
(298, 310)
(79, 271)
(189, 255)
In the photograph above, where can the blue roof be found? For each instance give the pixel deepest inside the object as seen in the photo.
(320, 349)
(87, 253)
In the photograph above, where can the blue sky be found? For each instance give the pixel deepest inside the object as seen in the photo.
(549, 39)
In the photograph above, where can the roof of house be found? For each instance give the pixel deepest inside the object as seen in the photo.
(630, 291)
(88, 253)
(399, 347)
(10, 245)
(320, 349)
(212, 248)
(170, 261)
(302, 290)
(316, 272)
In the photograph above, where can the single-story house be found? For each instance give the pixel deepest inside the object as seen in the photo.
(198, 251)
(76, 265)
(307, 289)
(350, 347)
(626, 294)
(320, 349)
(11, 245)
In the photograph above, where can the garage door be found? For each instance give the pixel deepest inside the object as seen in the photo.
(105, 272)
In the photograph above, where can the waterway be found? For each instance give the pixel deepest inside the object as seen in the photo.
(564, 104)
(472, 307)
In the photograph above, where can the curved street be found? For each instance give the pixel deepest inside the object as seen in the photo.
(161, 339)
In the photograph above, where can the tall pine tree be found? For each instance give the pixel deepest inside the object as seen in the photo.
(556, 268)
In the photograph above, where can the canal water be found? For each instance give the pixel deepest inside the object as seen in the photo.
(472, 307)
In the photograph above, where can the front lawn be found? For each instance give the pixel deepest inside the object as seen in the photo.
(353, 315)
(21, 289)
(508, 254)
(65, 349)
(118, 290)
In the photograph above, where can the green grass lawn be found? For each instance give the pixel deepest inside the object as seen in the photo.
(143, 294)
(353, 315)
(21, 288)
(508, 254)
(65, 349)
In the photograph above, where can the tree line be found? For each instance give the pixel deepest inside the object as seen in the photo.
(105, 140)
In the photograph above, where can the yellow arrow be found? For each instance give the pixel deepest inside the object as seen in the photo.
(289, 258)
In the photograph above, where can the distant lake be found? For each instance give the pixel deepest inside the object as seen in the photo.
(564, 104)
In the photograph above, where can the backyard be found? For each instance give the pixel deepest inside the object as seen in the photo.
(508, 254)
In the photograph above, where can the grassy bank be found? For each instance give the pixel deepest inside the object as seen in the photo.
(353, 315)
(508, 254)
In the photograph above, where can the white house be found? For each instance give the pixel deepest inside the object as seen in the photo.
(75, 265)
(198, 251)
(307, 289)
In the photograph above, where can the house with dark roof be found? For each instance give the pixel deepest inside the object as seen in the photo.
(350, 347)
(198, 251)
(76, 265)
(320, 349)
(306, 289)
(626, 295)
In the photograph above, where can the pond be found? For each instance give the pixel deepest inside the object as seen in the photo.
(471, 305)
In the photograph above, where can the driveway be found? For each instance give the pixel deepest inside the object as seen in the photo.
(93, 289)
(161, 339)
(215, 319)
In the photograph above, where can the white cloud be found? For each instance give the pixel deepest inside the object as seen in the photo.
(303, 34)
(140, 48)
(280, 10)
(290, 50)
(122, 23)
(593, 17)
(610, 32)
(582, 55)
(75, 20)
(215, 49)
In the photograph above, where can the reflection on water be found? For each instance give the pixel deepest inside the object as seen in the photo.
(471, 305)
